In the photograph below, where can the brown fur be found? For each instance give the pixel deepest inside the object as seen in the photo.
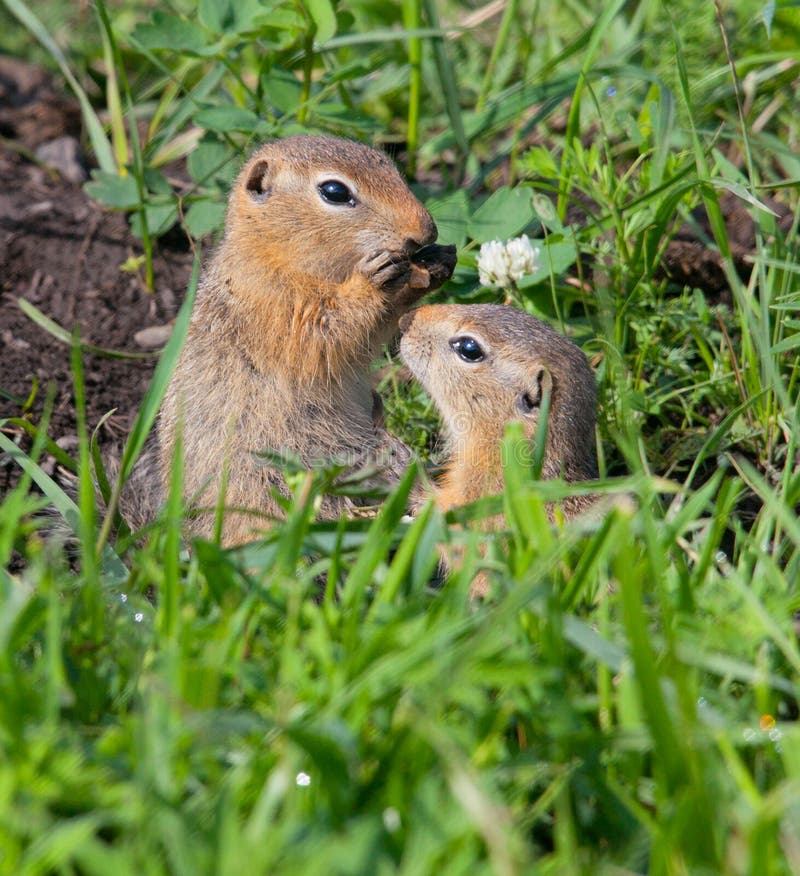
(295, 303)
(524, 357)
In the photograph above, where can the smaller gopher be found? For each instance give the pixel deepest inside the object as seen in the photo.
(485, 366)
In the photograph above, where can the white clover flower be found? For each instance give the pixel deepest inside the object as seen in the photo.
(492, 263)
(523, 258)
(502, 264)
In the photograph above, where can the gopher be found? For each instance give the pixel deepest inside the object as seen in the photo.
(324, 248)
(485, 366)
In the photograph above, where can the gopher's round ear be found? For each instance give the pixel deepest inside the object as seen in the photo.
(530, 399)
(257, 181)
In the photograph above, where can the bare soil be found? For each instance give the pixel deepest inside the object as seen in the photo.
(63, 253)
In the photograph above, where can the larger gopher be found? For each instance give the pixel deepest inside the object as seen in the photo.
(325, 246)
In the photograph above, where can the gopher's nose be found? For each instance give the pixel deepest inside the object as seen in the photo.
(405, 320)
(424, 233)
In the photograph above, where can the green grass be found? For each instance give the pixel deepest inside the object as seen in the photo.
(626, 699)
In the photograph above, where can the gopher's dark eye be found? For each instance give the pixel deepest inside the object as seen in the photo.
(468, 349)
(335, 192)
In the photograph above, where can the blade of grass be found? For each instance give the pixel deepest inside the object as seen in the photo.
(381, 534)
(629, 573)
(168, 614)
(573, 120)
(119, 141)
(148, 410)
(384, 35)
(449, 86)
(404, 558)
(509, 19)
(112, 566)
(61, 334)
(87, 507)
(33, 431)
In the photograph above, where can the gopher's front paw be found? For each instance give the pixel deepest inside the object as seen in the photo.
(438, 261)
(389, 270)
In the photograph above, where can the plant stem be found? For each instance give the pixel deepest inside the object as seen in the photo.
(138, 160)
(308, 66)
(412, 20)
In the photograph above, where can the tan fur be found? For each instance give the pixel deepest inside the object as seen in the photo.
(477, 400)
(295, 303)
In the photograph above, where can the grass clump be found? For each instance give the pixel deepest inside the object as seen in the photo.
(626, 699)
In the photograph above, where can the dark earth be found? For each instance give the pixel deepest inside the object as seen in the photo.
(63, 253)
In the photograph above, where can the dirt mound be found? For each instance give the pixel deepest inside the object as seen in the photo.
(63, 253)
